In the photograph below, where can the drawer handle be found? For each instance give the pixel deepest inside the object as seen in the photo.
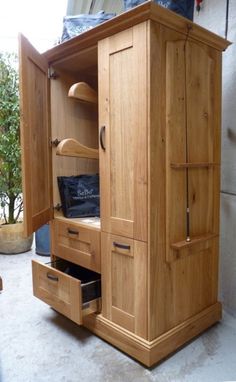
(52, 277)
(123, 246)
(72, 232)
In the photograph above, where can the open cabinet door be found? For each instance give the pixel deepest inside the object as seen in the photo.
(35, 133)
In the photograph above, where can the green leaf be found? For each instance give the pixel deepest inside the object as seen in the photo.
(10, 165)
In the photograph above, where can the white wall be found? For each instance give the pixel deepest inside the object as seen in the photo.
(212, 16)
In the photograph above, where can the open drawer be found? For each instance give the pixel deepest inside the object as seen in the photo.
(68, 288)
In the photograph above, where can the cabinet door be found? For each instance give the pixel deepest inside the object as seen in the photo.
(36, 167)
(124, 282)
(123, 132)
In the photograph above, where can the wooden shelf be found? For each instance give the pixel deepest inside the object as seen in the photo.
(89, 222)
(179, 166)
(83, 92)
(72, 148)
(195, 240)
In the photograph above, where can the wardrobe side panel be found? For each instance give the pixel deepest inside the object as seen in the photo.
(182, 283)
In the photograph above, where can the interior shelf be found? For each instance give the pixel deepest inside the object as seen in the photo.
(193, 165)
(89, 222)
(83, 92)
(195, 240)
(73, 148)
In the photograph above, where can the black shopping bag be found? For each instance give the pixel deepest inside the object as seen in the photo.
(79, 195)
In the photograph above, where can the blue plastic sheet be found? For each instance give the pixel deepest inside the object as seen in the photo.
(74, 25)
(183, 7)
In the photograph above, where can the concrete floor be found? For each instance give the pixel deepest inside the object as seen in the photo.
(38, 345)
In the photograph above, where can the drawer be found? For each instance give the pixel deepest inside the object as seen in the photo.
(80, 245)
(68, 288)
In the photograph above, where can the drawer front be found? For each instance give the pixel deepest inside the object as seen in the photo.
(78, 244)
(61, 291)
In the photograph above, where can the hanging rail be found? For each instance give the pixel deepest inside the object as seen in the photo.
(73, 148)
(83, 92)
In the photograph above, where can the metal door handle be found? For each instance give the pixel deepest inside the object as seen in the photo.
(52, 277)
(72, 232)
(101, 137)
(123, 246)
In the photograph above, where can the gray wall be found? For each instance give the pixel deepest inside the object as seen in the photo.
(213, 16)
(76, 7)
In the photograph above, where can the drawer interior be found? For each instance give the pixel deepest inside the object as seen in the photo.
(90, 280)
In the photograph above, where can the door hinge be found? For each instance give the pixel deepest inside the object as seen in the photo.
(52, 74)
(57, 207)
(54, 142)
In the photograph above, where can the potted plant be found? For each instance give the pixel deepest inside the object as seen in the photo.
(11, 203)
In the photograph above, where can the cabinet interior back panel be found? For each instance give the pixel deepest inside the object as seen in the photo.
(71, 119)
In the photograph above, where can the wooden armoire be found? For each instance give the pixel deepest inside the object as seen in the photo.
(136, 99)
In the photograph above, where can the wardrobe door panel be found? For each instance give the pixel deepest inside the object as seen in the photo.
(123, 133)
(124, 282)
(35, 133)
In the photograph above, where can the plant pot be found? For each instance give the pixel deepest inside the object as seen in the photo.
(12, 240)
